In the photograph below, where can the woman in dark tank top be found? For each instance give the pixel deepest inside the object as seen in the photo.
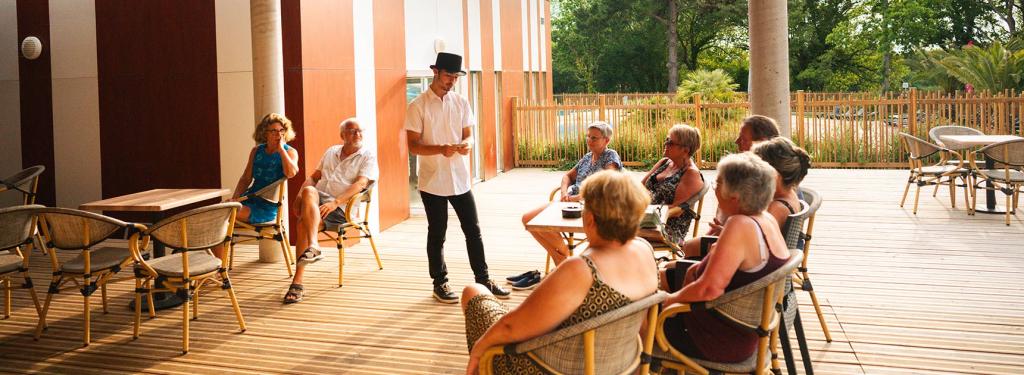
(750, 247)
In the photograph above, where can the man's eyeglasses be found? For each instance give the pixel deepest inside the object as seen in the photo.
(354, 131)
(593, 138)
(668, 142)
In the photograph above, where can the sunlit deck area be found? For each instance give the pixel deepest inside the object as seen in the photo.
(938, 292)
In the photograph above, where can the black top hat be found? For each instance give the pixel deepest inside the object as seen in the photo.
(449, 62)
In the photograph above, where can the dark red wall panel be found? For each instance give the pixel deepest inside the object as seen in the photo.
(36, 97)
(157, 64)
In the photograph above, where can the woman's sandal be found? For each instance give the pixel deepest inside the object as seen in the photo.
(294, 294)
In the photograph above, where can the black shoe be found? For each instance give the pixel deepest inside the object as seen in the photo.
(444, 294)
(527, 283)
(496, 290)
(514, 279)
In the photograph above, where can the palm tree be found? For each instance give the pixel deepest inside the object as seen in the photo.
(994, 68)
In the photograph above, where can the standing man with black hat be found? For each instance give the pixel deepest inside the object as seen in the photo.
(439, 126)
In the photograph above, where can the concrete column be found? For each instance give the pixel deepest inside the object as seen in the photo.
(769, 61)
(268, 82)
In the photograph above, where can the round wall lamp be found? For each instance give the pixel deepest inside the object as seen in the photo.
(439, 45)
(31, 48)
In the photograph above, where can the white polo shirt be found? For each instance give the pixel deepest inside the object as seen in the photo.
(441, 122)
(337, 174)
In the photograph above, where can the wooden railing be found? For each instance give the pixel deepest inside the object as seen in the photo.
(854, 130)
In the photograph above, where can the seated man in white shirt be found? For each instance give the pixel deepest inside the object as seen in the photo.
(343, 171)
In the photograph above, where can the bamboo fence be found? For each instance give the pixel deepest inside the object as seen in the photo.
(843, 130)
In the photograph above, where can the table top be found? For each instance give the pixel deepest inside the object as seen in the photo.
(551, 220)
(155, 200)
(958, 142)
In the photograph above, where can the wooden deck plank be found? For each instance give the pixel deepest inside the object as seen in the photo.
(936, 292)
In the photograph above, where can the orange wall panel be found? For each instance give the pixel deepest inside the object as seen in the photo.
(393, 156)
(487, 129)
(327, 100)
(512, 73)
(327, 35)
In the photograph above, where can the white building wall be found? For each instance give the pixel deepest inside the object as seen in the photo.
(235, 95)
(10, 98)
(76, 108)
(475, 53)
(525, 26)
(534, 35)
(496, 24)
(366, 84)
(427, 21)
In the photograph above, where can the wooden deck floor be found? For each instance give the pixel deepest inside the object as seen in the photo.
(937, 292)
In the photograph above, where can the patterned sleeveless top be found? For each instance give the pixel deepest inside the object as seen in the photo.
(586, 167)
(664, 192)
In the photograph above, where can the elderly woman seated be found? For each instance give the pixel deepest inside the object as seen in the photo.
(750, 247)
(600, 157)
(791, 164)
(615, 270)
(674, 180)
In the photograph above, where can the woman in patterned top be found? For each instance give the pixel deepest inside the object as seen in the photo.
(272, 159)
(600, 157)
(616, 269)
(674, 180)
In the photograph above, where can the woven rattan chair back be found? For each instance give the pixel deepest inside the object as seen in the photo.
(17, 225)
(70, 229)
(273, 193)
(793, 228)
(359, 206)
(197, 229)
(26, 181)
(616, 347)
(939, 131)
(746, 306)
(919, 148)
(1009, 153)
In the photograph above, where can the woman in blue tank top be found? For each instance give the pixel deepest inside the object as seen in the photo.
(272, 159)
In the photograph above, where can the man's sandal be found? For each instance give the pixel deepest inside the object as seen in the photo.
(294, 294)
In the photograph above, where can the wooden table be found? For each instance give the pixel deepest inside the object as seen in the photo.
(551, 220)
(157, 202)
(962, 142)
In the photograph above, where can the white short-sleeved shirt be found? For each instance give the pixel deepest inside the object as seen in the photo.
(441, 122)
(337, 174)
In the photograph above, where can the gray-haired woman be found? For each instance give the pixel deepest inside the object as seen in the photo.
(749, 247)
(600, 157)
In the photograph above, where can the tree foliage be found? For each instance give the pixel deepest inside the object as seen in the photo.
(835, 45)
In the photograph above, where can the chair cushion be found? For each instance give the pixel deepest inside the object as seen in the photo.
(100, 259)
(940, 169)
(9, 262)
(1000, 174)
(199, 262)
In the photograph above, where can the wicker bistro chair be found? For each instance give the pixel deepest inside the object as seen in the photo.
(192, 233)
(272, 230)
(357, 216)
(606, 344)
(802, 278)
(754, 307)
(93, 268)
(792, 231)
(697, 200)
(571, 239)
(1007, 177)
(25, 181)
(17, 232)
(940, 173)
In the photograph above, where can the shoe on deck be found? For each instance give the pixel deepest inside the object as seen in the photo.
(515, 278)
(527, 283)
(496, 290)
(443, 293)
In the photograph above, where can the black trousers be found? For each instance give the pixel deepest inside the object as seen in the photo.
(436, 207)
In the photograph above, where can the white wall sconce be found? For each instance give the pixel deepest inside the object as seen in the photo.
(439, 45)
(31, 48)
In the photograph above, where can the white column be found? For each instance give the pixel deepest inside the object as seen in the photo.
(769, 61)
(366, 87)
(268, 80)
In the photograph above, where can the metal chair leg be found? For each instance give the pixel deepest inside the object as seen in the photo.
(801, 341)
(285, 249)
(787, 349)
(373, 246)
